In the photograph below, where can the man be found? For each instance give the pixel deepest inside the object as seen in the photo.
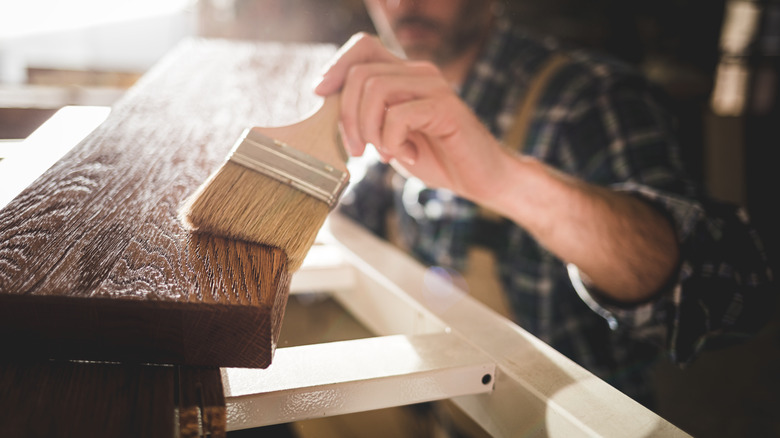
(605, 249)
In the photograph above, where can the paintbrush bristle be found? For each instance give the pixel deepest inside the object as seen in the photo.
(238, 203)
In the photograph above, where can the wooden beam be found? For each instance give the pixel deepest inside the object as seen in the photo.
(93, 262)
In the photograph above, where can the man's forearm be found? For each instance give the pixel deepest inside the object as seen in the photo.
(625, 247)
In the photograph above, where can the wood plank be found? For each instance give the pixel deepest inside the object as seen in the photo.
(79, 399)
(93, 261)
(201, 403)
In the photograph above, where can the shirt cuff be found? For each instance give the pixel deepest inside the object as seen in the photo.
(617, 316)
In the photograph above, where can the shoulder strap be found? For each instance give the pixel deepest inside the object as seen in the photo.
(516, 134)
(481, 272)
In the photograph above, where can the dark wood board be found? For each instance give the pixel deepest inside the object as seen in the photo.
(93, 261)
(97, 399)
(70, 399)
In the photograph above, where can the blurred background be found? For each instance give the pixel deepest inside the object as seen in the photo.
(718, 60)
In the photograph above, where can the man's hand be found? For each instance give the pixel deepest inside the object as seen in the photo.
(411, 114)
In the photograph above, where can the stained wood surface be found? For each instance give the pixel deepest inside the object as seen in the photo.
(201, 402)
(82, 399)
(70, 399)
(93, 261)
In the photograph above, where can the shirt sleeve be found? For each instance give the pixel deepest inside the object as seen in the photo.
(723, 292)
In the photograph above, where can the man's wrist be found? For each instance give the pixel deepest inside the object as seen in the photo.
(517, 185)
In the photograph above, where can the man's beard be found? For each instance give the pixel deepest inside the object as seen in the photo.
(453, 41)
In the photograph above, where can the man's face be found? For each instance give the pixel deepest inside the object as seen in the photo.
(437, 30)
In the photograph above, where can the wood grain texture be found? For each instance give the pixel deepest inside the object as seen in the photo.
(201, 402)
(77, 399)
(93, 261)
(90, 399)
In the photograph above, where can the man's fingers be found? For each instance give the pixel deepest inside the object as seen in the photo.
(370, 88)
(405, 124)
(383, 92)
(355, 150)
(361, 48)
(372, 79)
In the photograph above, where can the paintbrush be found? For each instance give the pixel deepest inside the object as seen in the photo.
(277, 185)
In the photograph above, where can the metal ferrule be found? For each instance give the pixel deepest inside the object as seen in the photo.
(290, 166)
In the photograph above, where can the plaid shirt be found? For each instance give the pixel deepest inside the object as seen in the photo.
(600, 121)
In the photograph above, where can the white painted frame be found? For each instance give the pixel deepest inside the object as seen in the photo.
(535, 390)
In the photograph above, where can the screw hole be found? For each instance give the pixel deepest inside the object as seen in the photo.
(486, 379)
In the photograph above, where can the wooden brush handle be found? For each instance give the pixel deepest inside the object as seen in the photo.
(316, 135)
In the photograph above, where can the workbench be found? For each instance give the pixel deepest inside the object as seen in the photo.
(430, 340)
